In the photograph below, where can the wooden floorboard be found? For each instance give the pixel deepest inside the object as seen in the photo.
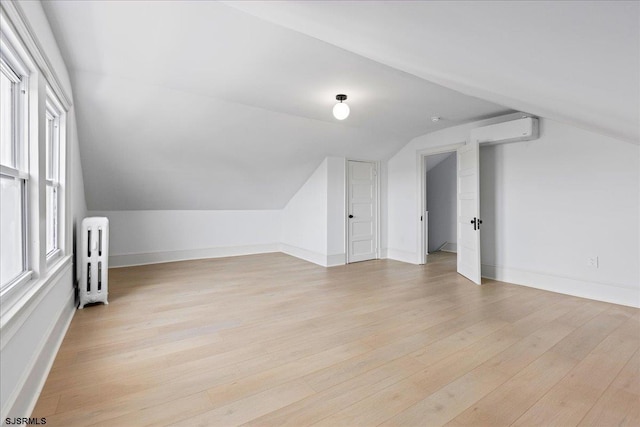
(270, 340)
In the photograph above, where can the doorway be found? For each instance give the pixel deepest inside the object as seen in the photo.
(440, 215)
(438, 154)
(467, 208)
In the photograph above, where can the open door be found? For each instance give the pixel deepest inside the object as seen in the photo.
(469, 211)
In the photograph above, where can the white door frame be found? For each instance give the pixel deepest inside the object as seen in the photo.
(346, 206)
(421, 155)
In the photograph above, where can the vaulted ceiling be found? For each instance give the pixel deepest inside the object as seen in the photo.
(573, 61)
(209, 105)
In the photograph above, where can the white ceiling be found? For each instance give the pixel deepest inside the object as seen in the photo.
(198, 105)
(573, 61)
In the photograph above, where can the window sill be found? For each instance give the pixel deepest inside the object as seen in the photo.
(18, 302)
(18, 283)
(52, 258)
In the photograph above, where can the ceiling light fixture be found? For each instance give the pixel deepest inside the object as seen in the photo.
(341, 110)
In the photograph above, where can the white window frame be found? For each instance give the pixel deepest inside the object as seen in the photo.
(19, 298)
(55, 113)
(14, 68)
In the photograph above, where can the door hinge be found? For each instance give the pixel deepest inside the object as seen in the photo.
(420, 217)
(476, 223)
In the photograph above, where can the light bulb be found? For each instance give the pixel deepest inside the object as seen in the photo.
(341, 111)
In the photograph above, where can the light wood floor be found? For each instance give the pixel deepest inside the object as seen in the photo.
(272, 340)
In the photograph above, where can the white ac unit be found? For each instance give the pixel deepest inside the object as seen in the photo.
(94, 255)
(524, 129)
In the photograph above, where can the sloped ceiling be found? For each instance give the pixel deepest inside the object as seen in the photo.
(574, 61)
(198, 105)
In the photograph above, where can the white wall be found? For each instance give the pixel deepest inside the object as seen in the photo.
(336, 211)
(32, 334)
(313, 221)
(547, 206)
(553, 203)
(30, 342)
(143, 237)
(304, 218)
(441, 204)
(310, 227)
(403, 210)
(76, 185)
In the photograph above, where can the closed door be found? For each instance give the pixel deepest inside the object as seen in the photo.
(362, 211)
(469, 212)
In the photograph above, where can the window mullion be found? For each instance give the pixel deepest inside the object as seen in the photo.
(15, 126)
(53, 181)
(25, 225)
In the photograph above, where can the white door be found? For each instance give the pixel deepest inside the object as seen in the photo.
(469, 212)
(362, 211)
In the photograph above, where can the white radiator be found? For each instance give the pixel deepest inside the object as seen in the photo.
(94, 255)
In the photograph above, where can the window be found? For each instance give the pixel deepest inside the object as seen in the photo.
(14, 174)
(34, 243)
(52, 133)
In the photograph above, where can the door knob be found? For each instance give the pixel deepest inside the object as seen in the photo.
(350, 216)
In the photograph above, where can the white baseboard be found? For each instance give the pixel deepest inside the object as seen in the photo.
(24, 399)
(336, 259)
(307, 255)
(398, 255)
(128, 260)
(450, 247)
(312, 256)
(616, 294)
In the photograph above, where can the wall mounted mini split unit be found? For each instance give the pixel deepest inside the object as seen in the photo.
(94, 285)
(524, 129)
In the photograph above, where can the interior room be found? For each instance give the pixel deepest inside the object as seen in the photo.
(415, 213)
(441, 216)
